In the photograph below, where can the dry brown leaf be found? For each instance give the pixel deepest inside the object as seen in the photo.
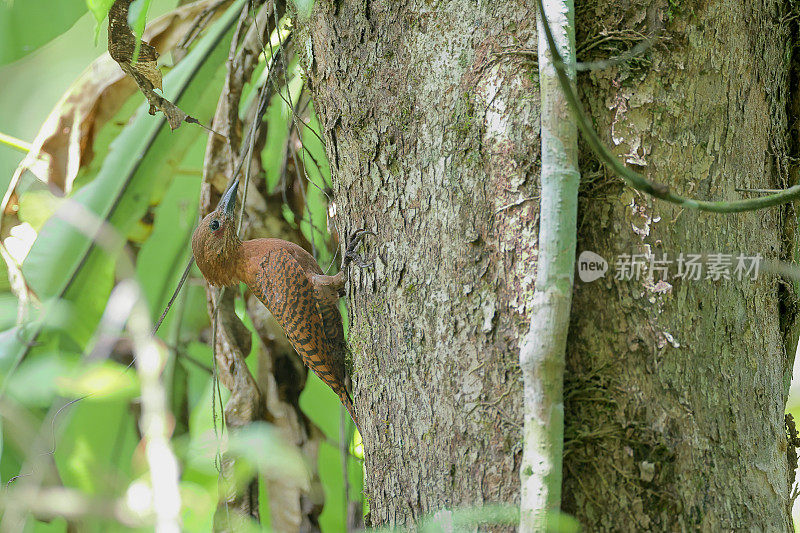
(145, 72)
(149, 69)
(122, 42)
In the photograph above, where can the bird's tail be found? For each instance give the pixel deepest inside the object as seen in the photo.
(344, 397)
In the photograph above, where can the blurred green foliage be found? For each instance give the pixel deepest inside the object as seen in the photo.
(99, 8)
(25, 25)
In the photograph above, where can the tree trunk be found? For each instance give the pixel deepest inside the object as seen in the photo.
(431, 124)
(675, 392)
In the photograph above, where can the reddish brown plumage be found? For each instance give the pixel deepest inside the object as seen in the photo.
(288, 281)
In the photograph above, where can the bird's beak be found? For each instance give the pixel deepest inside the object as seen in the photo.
(228, 201)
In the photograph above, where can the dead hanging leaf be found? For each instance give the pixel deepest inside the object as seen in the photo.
(121, 45)
(145, 72)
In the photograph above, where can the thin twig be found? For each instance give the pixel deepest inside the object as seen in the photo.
(174, 294)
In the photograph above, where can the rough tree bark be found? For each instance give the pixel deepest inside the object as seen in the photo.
(675, 393)
(431, 121)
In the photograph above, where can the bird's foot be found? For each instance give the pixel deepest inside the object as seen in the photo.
(350, 255)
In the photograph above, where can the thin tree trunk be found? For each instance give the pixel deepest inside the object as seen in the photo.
(542, 352)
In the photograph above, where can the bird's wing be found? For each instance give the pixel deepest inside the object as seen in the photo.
(281, 283)
(326, 292)
(327, 299)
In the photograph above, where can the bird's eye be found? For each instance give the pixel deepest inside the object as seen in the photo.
(214, 225)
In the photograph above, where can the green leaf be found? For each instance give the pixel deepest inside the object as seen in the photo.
(277, 116)
(25, 25)
(329, 466)
(322, 406)
(34, 382)
(137, 19)
(2, 451)
(38, 380)
(315, 217)
(99, 381)
(197, 507)
(99, 9)
(96, 444)
(8, 310)
(164, 254)
(36, 206)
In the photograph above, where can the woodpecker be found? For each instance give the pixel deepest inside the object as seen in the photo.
(289, 282)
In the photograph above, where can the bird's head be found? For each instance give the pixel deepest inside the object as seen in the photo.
(215, 244)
